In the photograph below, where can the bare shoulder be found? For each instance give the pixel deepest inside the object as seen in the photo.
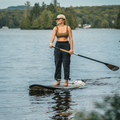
(69, 28)
(55, 28)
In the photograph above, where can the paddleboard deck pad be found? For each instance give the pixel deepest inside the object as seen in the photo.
(71, 85)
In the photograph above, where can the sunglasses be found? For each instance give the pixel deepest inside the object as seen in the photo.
(58, 18)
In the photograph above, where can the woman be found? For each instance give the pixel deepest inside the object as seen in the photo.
(62, 32)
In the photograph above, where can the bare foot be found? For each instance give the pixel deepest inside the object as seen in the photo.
(66, 83)
(57, 83)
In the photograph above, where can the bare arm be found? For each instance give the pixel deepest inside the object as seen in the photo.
(53, 37)
(71, 40)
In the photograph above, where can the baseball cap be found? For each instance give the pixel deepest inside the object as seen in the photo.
(60, 16)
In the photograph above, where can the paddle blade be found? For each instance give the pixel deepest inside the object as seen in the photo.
(112, 67)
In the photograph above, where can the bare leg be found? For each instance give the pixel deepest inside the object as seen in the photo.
(66, 83)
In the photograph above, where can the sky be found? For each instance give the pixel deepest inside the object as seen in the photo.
(63, 3)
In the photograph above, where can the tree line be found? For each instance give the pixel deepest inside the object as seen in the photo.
(98, 16)
(11, 18)
(42, 17)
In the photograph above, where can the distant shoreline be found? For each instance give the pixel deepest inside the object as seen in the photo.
(18, 7)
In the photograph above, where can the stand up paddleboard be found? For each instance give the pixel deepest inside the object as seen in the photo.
(71, 85)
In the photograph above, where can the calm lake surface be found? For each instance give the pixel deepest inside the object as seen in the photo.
(26, 59)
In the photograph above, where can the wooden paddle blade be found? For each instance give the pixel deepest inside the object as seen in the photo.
(112, 67)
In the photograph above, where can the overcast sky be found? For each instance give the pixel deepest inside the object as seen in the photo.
(63, 3)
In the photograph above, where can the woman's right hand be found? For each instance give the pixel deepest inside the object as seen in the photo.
(51, 45)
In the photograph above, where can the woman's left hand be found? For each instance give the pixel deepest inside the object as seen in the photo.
(71, 51)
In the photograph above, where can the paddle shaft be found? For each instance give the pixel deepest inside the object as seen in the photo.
(91, 59)
(82, 56)
(112, 67)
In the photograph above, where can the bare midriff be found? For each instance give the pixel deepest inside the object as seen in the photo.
(62, 39)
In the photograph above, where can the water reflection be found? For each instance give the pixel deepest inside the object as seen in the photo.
(61, 102)
(39, 93)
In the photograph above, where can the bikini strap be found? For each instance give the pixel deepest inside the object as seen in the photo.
(57, 29)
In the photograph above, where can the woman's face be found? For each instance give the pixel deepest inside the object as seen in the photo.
(60, 21)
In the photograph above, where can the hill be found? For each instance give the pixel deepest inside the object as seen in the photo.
(20, 7)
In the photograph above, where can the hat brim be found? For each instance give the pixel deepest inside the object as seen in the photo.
(58, 18)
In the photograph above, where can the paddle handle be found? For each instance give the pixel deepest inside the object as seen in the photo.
(64, 50)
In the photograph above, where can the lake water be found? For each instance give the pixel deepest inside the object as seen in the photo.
(26, 59)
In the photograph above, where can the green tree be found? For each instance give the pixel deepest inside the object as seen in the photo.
(55, 2)
(27, 8)
(117, 22)
(43, 6)
(53, 21)
(11, 23)
(105, 24)
(22, 23)
(71, 21)
(110, 24)
(35, 12)
(50, 19)
(25, 23)
(35, 24)
(97, 22)
(45, 18)
(51, 8)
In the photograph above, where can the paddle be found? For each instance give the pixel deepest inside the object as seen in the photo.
(111, 67)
